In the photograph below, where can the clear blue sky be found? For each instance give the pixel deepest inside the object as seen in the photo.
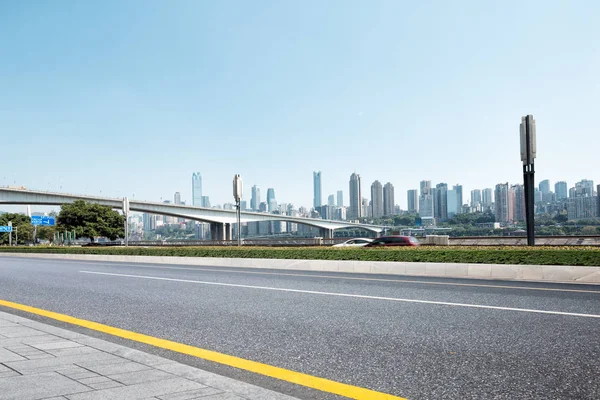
(128, 98)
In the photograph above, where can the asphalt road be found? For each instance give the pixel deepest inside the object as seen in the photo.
(420, 338)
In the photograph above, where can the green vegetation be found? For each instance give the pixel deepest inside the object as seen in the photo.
(22, 228)
(90, 220)
(585, 256)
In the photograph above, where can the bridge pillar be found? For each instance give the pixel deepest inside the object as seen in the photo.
(217, 231)
(228, 232)
(326, 233)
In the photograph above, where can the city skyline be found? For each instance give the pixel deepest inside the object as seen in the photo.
(225, 100)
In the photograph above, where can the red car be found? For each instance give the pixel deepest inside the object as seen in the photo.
(394, 241)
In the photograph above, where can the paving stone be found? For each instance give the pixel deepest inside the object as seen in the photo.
(19, 331)
(94, 379)
(63, 344)
(132, 378)
(39, 386)
(6, 355)
(53, 363)
(122, 368)
(105, 385)
(190, 394)
(72, 351)
(139, 391)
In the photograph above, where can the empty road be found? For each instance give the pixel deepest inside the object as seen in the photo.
(419, 338)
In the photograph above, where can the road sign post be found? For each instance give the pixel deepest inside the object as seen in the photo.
(237, 195)
(10, 233)
(126, 214)
(528, 154)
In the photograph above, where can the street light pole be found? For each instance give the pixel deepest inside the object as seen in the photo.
(528, 154)
(237, 196)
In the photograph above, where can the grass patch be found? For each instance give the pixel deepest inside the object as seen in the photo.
(582, 256)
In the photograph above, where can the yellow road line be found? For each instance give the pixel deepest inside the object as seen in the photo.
(314, 382)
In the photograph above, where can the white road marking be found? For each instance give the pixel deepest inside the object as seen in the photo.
(347, 295)
(231, 270)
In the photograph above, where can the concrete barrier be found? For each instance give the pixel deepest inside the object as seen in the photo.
(507, 272)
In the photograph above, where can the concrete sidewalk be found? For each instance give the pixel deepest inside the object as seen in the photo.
(39, 361)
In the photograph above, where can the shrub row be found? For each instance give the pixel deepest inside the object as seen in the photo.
(582, 256)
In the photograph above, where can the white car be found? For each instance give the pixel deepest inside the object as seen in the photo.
(359, 242)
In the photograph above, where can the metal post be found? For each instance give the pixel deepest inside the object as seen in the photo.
(528, 154)
(126, 214)
(16, 235)
(239, 227)
(10, 234)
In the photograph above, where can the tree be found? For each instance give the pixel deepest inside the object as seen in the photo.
(90, 220)
(589, 230)
(22, 228)
(46, 233)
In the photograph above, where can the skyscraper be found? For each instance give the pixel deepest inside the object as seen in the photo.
(413, 201)
(376, 200)
(205, 202)
(340, 198)
(197, 189)
(331, 200)
(459, 197)
(517, 203)
(177, 198)
(355, 209)
(560, 188)
(501, 198)
(486, 197)
(544, 187)
(475, 197)
(255, 200)
(317, 199)
(425, 187)
(388, 199)
(452, 203)
(271, 202)
(440, 206)
(584, 188)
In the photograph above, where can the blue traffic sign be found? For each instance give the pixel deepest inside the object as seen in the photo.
(5, 228)
(42, 220)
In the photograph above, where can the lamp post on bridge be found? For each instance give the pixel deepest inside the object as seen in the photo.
(126, 214)
(237, 196)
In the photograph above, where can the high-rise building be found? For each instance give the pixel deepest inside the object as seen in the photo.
(426, 203)
(560, 188)
(459, 197)
(413, 201)
(517, 203)
(205, 202)
(197, 189)
(544, 187)
(584, 188)
(537, 196)
(331, 200)
(487, 197)
(426, 206)
(388, 200)
(425, 187)
(475, 197)
(177, 198)
(255, 200)
(271, 202)
(366, 208)
(452, 203)
(501, 199)
(572, 192)
(355, 209)
(582, 207)
(340, 198)
(376, 200)
(317, 199)
(262, 207)
(440, 206)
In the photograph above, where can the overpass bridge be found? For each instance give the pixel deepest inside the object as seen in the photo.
(220, 221)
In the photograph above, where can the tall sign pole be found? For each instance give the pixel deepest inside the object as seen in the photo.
(10, 233)
(126, 213)
(528, 153)
(237, 196)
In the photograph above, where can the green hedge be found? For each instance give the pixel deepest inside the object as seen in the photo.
(586, 256)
